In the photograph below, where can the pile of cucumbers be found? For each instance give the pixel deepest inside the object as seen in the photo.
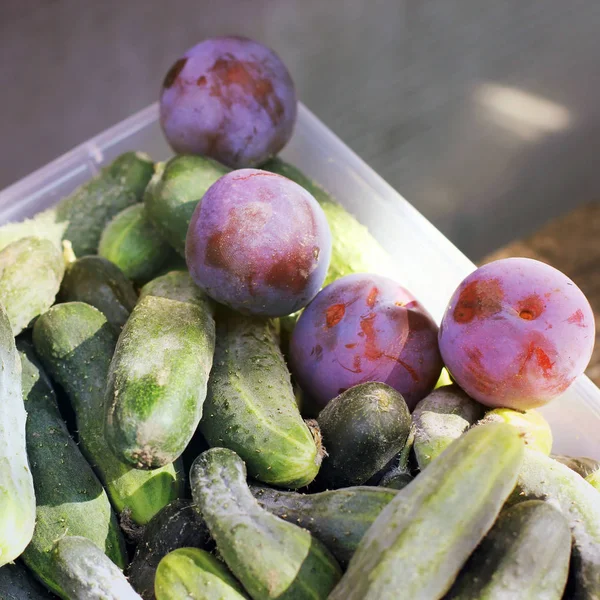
(153, 445)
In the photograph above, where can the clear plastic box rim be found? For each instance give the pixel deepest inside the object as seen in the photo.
(428, 264)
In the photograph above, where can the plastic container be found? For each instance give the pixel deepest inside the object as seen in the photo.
(427, 263)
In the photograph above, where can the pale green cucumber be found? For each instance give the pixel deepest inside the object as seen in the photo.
(422, 538)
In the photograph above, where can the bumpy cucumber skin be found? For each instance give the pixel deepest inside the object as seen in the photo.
(31, 270)
(269, 556)
(96, 202)
(86, 573)
(354, 249)
(441, 418)
(337, 518)
(525, 556)
(69, 497)
(177, 525)
(422, 538)
(17, 583)
(159, 373)
(250, 406)
(75, 344)
(132, 243)
(543, 478)
(17, 495)
(174, 191)
(194, 574)
(363, 429)
(98, 282)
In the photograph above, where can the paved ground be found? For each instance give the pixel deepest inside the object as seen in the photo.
(484, 115)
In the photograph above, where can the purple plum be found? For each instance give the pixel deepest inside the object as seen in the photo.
(259, 243)
(516, 333)
(229, 98)
(365, 327)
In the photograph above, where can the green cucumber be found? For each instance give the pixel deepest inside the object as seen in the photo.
(17, 495)
(250, 405)
(363, 429)
(159, 373)
(177, 525)
(31, 270)
(533, 427)
(86, 573)
(594, 479)
(69, 497)
(354, 249)
(400, 475)
(132, 243)
(269, 556)
(337, 518)
(87, 211)
(421, 539)
(396, 480)
(75, 344)
(580, 464)
(174, 191)
(17, 583)
(98, 282)
(543, 478)
(194, 574)
(525, 556)
(441, 418)
(81, 217)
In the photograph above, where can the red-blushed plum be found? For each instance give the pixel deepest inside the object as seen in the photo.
(229, 98)
(259, 243)
(365, 327)
(516, 333)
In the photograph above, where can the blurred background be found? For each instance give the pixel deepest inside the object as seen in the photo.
(485, 116)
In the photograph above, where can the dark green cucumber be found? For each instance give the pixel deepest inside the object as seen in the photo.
(399, 475)
(132, 243)
(159, 373)
(87, 211)
(31, 270)
(17, 497)
(422, 538)
(98, 282)
(69, 497)
(269, 556)
(174, 191)
(75, 343)
(177, 525)
(338, 518)
(441, 418)
(363, 429)
(17, 583)
(354, 249)
(525, 556)
(194, 574)
(396, 480)
(543, 478)
(250, 405)
(86, 573)
(580, 464)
